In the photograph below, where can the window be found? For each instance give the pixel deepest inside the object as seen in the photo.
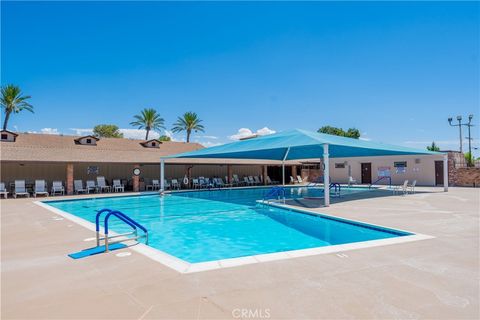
(400, 164)
(89, 141)
(340, 165)
(4, 136)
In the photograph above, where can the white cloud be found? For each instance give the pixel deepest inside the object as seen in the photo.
(208, 137)
(245, 132)
(82, 131)
(265, 131)
(49, 131)
(208, 144)
(138, 134)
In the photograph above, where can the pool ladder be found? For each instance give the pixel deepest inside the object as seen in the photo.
(124, 236)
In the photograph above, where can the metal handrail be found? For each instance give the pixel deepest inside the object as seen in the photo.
(123, 217)
(380, 179)
(128, 221)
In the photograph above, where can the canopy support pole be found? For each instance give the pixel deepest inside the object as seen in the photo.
(283, 165)
(445, 172)
(162, 175)
(326, 175)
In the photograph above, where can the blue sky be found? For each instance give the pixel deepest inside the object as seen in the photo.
(396, 71)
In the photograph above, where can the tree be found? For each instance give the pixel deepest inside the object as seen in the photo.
(164, 138)
(188, 122)
(350, 133)
(107, 131)
(433, 147)
(469, 159)
(13, 100)
(148, 119)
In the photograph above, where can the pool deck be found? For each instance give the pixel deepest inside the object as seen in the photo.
(436, 278)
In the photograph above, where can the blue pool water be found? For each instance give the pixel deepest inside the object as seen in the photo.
(213, 225)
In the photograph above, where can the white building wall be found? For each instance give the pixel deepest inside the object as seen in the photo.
(423, 171)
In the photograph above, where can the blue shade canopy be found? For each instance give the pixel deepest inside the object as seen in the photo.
(300, 144)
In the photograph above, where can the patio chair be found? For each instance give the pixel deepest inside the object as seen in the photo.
(270, 181)
(292, 180)
(166, 185)
(236, 181)
(175, 184)
(257, 180)
(252, 181)
(78, 187)
(219, 183)
(57, 187)
(102, 184)
(412, 187)
(246, 181)
(402, 188)
(20, 189)
(299, 179)
(91, 186)
(3, 190)
(351, 181)
(195, 183)
(118, 186)
(40, 188)
(228, 183)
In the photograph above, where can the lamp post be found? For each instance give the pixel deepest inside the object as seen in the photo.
(459, 125)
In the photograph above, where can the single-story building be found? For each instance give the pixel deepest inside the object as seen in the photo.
(66, 158)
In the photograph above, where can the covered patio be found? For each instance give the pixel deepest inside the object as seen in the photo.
(300, 144)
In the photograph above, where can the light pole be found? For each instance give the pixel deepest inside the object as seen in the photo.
(459, 125)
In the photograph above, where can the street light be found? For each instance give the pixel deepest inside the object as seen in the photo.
(459, 125)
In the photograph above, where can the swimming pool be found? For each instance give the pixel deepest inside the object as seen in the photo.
(206, 226)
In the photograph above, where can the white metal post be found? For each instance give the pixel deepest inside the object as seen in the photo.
(445, 172)
(283, 165)
(326, 175)
(162, 175)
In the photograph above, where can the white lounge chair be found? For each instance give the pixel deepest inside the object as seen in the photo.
(102, 185)
(3, 191)
(78, 187)
(299, 179)
(351, 180)
(195, 183)
(175, 184)
(252, 181)
(412, 186)
(257, 180)
(402, 188)
(292, 180)
(166, 184)
(236, 181)
(40, 188)
(91, 186)
(246, 181)
(228, 183)
(57, 187)
(118, 186)
(270, 181)
(20, 189)
(219, 183)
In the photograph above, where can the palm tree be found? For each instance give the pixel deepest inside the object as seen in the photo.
(188, 122)
(13, 100)
(148, 119)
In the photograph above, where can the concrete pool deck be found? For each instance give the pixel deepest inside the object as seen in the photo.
(436, 278)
